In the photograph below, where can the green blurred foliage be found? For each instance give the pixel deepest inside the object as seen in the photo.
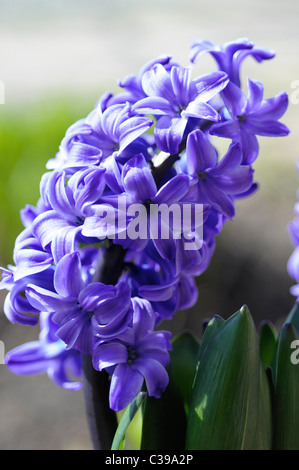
(30, 134)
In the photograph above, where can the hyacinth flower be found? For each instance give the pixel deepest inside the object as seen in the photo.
(218, 182)
(245, 118)
(79, 309)
(117, 127)
(101, 281)
(175, 98)
(132, 84)
(168, 284)
(16, 307)
(108, 133)
(138, 354)
(47, 355)
(230, 56)
(60, 226)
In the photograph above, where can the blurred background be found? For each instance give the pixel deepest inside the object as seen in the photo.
(56, 59)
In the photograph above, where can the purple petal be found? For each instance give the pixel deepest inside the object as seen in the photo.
(250, 147)
(28, 215)
(131, 129)
(180, 79)
(156, 346)
(82, 154)
(65, 368)
(158, 292)
(169, 132)
(143, 317)
(76, 331)
(199, 109)
(199, 47)
(240, 181)
(113, 174)
(157, 82)
(125, 384)
(210, 84)
(32, 357)
(258, 54)
(60, 197)
(232, 47)
(200, 153)
(231, 160)
(110, 119)
(154, 105)
(255, 95)
(130, 83)
(15, 313)
(46, 226)
(45, 300)
(267, 128)
(173, 191)
(109, 354)
(234, 100)
(187, 292)
(221, 201)
(63, 242)
(261, 54)
(138, 180)
(87, 187)
(155, 375)
(294, 290)
(94, 294)
(113, 311)
(115, 326)
(7, 280)
(293, 265)
(30, 261)
(273, 108)
(68, 278)
(293, 229)
(228, 129)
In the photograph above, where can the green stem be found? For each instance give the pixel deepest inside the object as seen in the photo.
(102, 421)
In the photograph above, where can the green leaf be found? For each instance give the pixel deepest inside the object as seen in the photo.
(267, 342)
(230, 405)
(210, 330)
(286, 399)
(129, 413)
(164, 420)
(183, 361)
(293, 317)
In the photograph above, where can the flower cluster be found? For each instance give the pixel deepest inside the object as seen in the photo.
(148, 146)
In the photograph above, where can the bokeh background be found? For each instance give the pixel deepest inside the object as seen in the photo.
(56, 59)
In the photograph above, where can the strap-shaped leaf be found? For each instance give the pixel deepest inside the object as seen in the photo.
(286, 400)
(164, 420)
(125, 421)
(230, 405)
(210, 330)
(267, 342)
(183, 364)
